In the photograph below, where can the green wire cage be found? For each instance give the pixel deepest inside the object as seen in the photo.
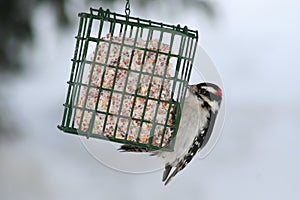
(128, 79)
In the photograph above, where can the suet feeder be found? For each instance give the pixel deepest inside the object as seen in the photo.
(129, 78)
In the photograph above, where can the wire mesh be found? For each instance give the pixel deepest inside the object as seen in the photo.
(128, 79)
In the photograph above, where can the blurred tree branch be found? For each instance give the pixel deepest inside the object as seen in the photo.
(16, 27)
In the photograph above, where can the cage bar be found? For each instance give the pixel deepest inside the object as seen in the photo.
(128, 79)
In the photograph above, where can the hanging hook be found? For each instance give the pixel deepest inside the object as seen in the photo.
(127, 8)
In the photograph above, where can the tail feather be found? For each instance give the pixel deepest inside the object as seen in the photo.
(166, 172)
(171, 176)
(180, 166)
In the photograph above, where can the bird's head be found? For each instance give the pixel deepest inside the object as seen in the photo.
(209, 93)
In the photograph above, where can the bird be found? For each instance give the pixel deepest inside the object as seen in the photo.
(198, 116)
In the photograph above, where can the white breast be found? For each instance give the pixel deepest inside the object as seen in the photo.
(192, 119)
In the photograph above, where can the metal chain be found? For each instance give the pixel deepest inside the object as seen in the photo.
(127, 8)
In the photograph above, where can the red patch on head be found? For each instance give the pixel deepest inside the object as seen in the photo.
(219, 93)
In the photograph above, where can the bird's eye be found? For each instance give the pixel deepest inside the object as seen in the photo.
(204, 92)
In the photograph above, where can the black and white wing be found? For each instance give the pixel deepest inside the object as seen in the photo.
(199, 142)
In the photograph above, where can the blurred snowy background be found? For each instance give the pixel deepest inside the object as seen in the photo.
(256, 47)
